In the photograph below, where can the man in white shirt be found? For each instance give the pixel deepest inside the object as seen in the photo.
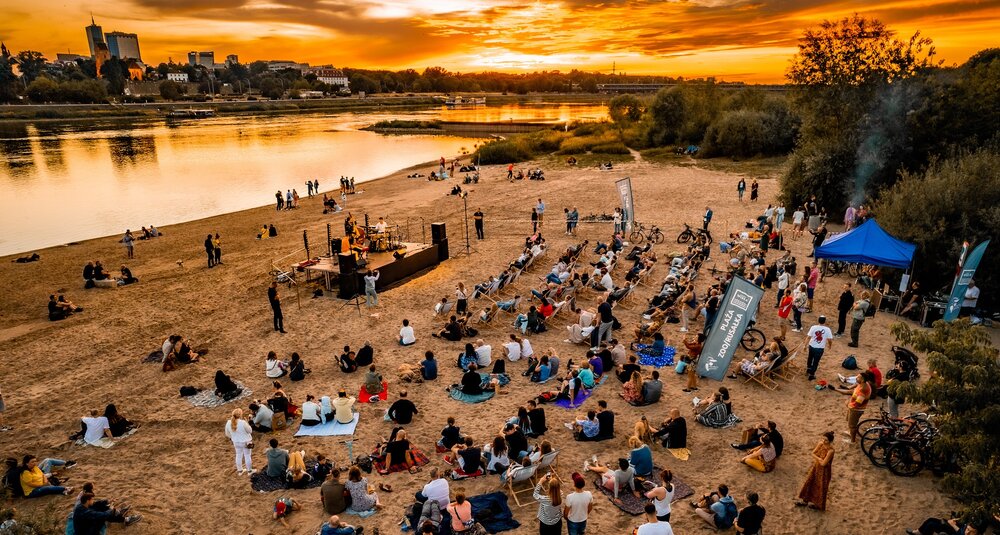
(406, 336)
(512, 349)
(381, 227)
(577, 507)
(540, 208)
(652, 525)
(820, 337)
(970, 300)
(437, 490)
(484, 353)
(782, 285)
(97, 430)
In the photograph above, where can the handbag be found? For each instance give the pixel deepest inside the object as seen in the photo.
(249, 445)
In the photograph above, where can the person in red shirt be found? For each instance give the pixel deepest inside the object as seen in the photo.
(876, 373)
(784, 309)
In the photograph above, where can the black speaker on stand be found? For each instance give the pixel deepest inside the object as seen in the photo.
(335, 246)
(439, 237)
(348, 275)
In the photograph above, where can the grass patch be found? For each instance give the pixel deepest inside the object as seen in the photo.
(770, 167)
(404, 124)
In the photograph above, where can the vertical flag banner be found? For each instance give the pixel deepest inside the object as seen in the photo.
(965, 275)
(625, 192)
(739, 306)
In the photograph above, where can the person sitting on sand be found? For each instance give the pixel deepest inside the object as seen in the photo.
(585, 428)
(452, 331)
(522, 421)
(277, 459)
(343, 407)
(332, 494)
(127, 277)
(260, 417)
(283, 507)
(280, 402)
(428, 367)
(632, 389)
(468, 458)
(90, 516)
(401, 411)
(762, 458)
(615, 480)
(467, 357)
(296, 477)
(36, 478)
(311, 412)
(497, 455)
(373, 382)
(96, 430)
(363, 497)
(472, 383)
(225, 387)
(450, 435)
(118, 424)
(717, 509)
(274, 368)
(366, 355)
(406, 336)
(714, 412)
(334, 526)
(60, 308)
(640, 458)
(297, 368)
(348, 363)
(673, 431)
(182, 350)
(399, 452)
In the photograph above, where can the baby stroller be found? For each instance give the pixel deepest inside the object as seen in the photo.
(908, 360)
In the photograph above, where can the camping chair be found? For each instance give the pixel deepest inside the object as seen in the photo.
(491, 314)
(787, 367)
(549, 460)
(524, 475)
(763, 376)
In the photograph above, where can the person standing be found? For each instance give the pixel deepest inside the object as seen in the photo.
(461, 298)
(814, 490)
(534, 220)
(843, 307)
(238, 430)
(309, 187)
(129, 241)
(210, 250)
(574, 217)
(970, 299)
(540, 208)
(741, 188)
(371, 297)
(217, 248)
(275, 300)
(281, 201)
(569, 222)
(849, 215)
(782, 280)
(864, 385)
(707, 218)
(477, 218)
(617, 218)
(753, 190)
(510, 172)
(820, 338)
(604, 332)
(858, 313)
(352, 186)
(577, 507)
(819, 235)
(812, 281)
(779, 216)
(550, 505)
(316, 186)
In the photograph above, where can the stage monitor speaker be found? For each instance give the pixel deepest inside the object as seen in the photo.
(438, 233)
(348, 276)
(442, 250)
(335, 246)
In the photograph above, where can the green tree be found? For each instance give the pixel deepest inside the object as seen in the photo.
(43, 89)
(170, 90)
(115, 71)
(667, 114)
(271, 87)
(31, 64)
(625, 109)
(8, 82)
(964, 386)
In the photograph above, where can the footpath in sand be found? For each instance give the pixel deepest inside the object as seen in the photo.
(178, 469)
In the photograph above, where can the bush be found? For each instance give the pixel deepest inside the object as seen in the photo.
(615, 147)
(502, 151)
(745, 133)
(820, 167)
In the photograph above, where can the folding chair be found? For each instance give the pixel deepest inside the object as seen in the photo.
(523, 475)
(763, 376)
(787, 368)
(550, 461)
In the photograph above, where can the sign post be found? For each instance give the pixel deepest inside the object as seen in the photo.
(737, 309)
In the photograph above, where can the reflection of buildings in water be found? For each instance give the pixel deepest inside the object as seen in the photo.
(50, 144)
(127, 150)
(15, 147)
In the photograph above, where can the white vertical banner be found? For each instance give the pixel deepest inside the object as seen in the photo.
(628, 205)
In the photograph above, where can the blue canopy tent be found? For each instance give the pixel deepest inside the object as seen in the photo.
(868, 244)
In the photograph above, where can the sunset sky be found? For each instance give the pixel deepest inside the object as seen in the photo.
(748, 40)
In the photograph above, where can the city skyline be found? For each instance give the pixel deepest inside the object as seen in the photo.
(737, 40)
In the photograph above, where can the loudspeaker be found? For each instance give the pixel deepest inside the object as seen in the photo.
(442, 250)
(438, 233)
(335, 246)
(348, 276)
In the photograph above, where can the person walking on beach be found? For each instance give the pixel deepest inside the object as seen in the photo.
(129, 241)
(820, 338)
(753, 190)
(316, 186)
(281, 202)
(741, 187)
(275, 300)
(477, 217)
(814, 490)
(217, 248)
(295, 198)
(843, 307)
(510, 172)
(238, 430)
(371, 297)
(210, 250)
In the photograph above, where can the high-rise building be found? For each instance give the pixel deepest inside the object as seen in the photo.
(205, 59)
(123, 45)
(231, 59)
(95, 35)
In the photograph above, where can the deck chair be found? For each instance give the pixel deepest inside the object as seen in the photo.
(524, 475)
(548, 461)
(491, 314)
(787, 367)
(763, 376)
(512, 311)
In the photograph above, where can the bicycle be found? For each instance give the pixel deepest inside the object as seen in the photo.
(689, 234)
(753, 339)
(836, 267)
(640, 233)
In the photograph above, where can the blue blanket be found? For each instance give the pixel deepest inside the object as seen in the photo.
(581, 396)
(490, 510)
(502, 380)
(657, 360)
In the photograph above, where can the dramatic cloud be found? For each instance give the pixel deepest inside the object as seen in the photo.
(732, 39)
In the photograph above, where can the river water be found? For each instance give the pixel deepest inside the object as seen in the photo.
(64, 182)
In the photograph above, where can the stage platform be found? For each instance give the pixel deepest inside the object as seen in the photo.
(419, 256)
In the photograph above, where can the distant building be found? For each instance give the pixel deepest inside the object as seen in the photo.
(629, 88)
(280, 65)
(330, 76)
(205, 59)
(231, 59)
(136, 70)
(101, 55)
(177, 77)
(95, 35)
(66, 59)
(123, 45)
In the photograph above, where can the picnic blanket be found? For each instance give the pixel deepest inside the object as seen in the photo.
(107, 442)
(635, 506)
(418, 457)
(457, 473)
(581, 396)
(261, 482)
(490, 510)
(155, 356)
(681, 454)
(365, 397)
(208, 399)
(648, 358)
(502, 380)
(329, 429)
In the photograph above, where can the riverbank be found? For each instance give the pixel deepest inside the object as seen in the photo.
(55, 372)
(61, 112)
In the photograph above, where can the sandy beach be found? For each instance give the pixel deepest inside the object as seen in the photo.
(177, 471)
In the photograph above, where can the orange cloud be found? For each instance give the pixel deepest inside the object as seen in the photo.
(748, 40)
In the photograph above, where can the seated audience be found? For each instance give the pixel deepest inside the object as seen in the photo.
(348, 362)
(428, 367)
(766, 428)
(273, 367)
(311, 413)
(366, 355)
(277, 459)
(118, 424)
(363, 497)
(762, 458)
(496, 455)
(615, 480)
(401, 411)
(260, 417)
(751, 518)
(331, 494)
(296, 477)
(640, 458)
(297, 368)
(334, 526)
(406, 336)
(90, 516)
(373, 381)
(343, 407)
(37, 479)
(717, 509)
(673, 431)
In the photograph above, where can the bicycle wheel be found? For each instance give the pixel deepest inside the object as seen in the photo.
(685, 236)
(853, 268)
(873, 435)
(877, 452)
(868, 423)
(753, 340)
(635, 237)
(905, 459)
(656, 236)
